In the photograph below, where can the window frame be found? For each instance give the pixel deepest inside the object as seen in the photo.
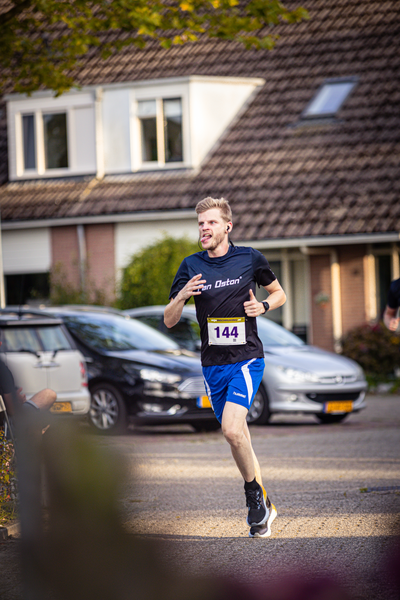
(305, 116)
(159, 94)
(160, 129)
(40, 152)
(38, 106)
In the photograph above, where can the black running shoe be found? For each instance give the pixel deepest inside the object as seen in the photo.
(262, 531)
(258, 511)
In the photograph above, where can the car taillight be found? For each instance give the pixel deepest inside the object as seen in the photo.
(83, 375)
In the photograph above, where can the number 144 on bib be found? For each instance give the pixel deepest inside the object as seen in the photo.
(226, 332)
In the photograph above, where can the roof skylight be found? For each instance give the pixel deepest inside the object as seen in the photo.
(329, 98)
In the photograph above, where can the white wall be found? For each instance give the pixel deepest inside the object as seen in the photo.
(131, 237)
(84, 139)
(116, 130)
(213, 106)
(26, 251)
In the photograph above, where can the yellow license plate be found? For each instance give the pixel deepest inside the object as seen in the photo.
(61, 407)
(338, 407)
(203, 402)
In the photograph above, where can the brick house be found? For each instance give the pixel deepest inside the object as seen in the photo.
(304, 141)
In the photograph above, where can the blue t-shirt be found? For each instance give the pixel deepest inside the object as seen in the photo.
(229, 279)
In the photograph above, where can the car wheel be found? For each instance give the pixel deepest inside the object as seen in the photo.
(107, 409)
(327, 419)
(206, 426)
(259, 412)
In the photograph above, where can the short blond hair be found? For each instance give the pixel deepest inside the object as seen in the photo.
(220, 203)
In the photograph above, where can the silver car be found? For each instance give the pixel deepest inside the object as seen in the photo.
(40, 354)
(298, 378)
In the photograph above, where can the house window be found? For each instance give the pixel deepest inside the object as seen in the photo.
(173, 130)
(29, 141)
(383, 281)
(53, 153)
(329, 98)
(161, 130)
(55, 140)
(27, 287)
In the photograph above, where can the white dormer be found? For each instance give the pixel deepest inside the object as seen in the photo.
(122, 128)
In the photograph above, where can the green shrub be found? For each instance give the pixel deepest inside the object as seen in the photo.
(63, 291)
(147, 279)
(374, 347)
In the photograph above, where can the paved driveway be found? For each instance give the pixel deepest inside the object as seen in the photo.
(186, 491)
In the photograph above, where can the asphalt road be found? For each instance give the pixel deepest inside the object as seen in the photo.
(336, 489)
(187, 493)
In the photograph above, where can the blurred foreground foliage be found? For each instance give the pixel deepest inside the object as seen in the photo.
(45, 42)
(8, 499)
(148, 277)
(376, 350)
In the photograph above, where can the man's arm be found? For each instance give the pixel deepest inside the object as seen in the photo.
(276, 298)
(173, 310)
(389, 318)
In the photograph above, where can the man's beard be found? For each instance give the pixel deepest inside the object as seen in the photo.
(216, 241)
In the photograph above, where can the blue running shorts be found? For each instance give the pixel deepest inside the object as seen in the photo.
(237, 383)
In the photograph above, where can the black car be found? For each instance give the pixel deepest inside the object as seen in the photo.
(186, 333)
(135, 372)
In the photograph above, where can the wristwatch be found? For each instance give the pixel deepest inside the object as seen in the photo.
(265, 305)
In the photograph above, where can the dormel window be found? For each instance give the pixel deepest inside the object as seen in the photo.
(161, 130)
(127, 127)
(329, 98)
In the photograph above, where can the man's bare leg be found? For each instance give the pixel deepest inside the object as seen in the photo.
(236, 433)
(44, 399)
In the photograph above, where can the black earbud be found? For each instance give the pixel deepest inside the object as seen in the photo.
(228, 228)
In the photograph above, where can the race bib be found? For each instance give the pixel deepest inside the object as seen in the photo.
(226, 332)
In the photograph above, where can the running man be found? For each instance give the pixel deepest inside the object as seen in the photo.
(223, 281)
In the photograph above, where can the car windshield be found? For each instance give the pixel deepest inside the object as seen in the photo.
(111, 332)
(34, 339)
(272, 334)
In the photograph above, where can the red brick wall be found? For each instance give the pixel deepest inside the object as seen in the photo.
(321, 314)
(100, 262)
(352, 286)
(65, 252)
(101, 258)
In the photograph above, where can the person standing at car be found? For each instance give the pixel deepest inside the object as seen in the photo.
(223, 281)
(15, 399)
(390, 317)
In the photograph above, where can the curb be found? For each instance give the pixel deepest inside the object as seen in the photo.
(6, 532)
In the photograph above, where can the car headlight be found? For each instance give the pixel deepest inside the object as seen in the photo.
(159, 376)
(298, 375)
